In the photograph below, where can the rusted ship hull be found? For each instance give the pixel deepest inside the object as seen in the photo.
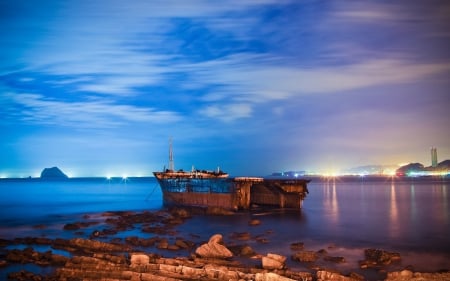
(233, 193)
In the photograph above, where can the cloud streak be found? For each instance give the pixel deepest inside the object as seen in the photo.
(38, 109)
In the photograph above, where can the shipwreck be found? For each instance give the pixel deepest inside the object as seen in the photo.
(206, 189)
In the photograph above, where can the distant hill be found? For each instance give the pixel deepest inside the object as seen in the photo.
(418, 167)
(444, 164)
(412, 167)
(53, 173)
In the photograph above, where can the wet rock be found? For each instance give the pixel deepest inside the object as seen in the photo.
(180, 213)
(214, 248)
(241, 235)
(217, 211)
(143, 266)
(173, 247)
(42, 241)
(95, 233)
(141, 242)
(24, 275)
(71, 226)
(356, 276)
(273, 261)
(58, 259)
(183, 244)
(117, 259)
(323, 275)
(88, 245)
(270, 276)
(322, 252)
(377, 257)
(29, 255)
(132, 240)
(407, 275)
(161, 230)
(262, 240)
(78, 225)
(334, 259)
(254, 222)
(39, 226)
(242, 250)
(4, 242)
(305, 256)
(297, 246)
(163, 244)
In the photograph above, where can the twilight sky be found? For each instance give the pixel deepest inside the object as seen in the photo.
(97, 87)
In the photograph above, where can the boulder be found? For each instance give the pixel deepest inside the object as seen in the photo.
(139, 259)
(273, 261)
(214, 248)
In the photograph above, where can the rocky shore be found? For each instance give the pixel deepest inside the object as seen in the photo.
(102, 255)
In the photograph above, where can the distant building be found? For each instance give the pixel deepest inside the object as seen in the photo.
(434, 161)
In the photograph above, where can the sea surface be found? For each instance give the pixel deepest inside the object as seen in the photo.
(343, 215)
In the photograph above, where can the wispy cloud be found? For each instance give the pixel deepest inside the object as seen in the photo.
(255, 82)
(38, 109)
(227, 112)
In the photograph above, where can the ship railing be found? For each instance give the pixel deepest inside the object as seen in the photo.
(249, 179)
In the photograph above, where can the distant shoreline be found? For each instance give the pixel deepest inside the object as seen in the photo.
(311, 177)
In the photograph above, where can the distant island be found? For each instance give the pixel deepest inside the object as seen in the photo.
(53, 173)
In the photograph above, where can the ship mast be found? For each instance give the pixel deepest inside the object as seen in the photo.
(171, 166)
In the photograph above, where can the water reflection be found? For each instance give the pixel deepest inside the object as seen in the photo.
(330, 200)
(444, 202)
(394, 228)
(413, 204)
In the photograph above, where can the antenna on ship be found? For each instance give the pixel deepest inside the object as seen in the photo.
(171, 166)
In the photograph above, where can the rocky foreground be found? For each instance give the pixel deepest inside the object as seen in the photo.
(132, 258)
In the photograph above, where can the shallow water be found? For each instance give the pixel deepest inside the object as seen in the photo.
(410, 216)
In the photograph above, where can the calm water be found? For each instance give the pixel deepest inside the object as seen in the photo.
(410, 216)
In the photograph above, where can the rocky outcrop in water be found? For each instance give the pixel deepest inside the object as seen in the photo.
(29, 255)
(129, 258)
(305, 256)
(53, 173)
(377, 257)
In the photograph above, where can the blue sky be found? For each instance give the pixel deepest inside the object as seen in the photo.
(97, 87)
